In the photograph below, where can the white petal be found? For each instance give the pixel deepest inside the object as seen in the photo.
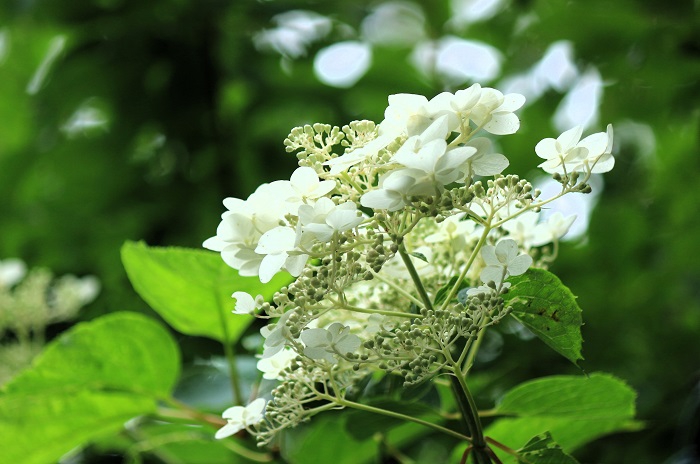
(547, 149)
(344, 219)
(506, 250)
(245, 304)
(304, 178)
(271, 265)
(322, 232)
(570, 138)
(316, 337)
(214, 244)
(488, 254)
(255, 410)
(595, 143)
(519, 264)
(503, 124)
(382, 199)
(512, 102)
(276, 240)
(295, 264)
(228, 430)
(604, 164)
(492, 274)
(490, 164)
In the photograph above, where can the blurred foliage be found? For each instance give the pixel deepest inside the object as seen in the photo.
(129, 120)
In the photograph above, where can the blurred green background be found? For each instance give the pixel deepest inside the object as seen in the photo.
(128, 120)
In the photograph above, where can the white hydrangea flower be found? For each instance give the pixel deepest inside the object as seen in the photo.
(563, 154)
(246, 221)
(527, 230)
(483, 162)
(278, 248)
(325, 218)
(568, 153)
(406, 114)
(428, 154)
(344, 162)
(557, 225)
(453, 231)
(326, 343)
(599, 158)
(273, 366)
(306, 185)
(240, 417)
(503, 260)
(495, 112)
(392, 192)
(11, 271)
(276, 336)
(457, 107)
(246, 304)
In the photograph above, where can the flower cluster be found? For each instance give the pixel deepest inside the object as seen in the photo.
(29, 302)
(400, 237)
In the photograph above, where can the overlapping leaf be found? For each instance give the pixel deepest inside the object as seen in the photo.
(89, 381)
(191, 289)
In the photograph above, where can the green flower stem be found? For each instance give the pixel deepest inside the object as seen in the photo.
(415, 277)
(399, 289)
(472, 257)
(231, 359)
(531, 206)
(472, 349)
(395, 415)
(380, 311)
(471, 417)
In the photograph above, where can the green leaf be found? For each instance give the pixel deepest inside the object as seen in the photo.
(543, 450)
(325, 439)
(575, 409)
(191, 289)
(548, 308)
(420, 256)
(182, 443)
(600, 396)
(86, 383)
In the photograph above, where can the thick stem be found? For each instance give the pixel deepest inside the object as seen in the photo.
(470, 415)
(415, 277)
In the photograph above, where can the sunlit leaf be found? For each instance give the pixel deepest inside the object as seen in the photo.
(88, 382)
(574, 409)
(191, 289)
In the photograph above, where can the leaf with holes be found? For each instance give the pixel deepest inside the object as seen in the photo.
(548, 308)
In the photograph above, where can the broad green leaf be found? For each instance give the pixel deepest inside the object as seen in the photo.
(548, 308)
(599, 396)
(191, 289)
(543, 450)
(87, 382)
(121, 351)
(575, 410)
(184, 444)
(325, 440)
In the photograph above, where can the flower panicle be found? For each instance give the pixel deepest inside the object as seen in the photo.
(401, 237)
